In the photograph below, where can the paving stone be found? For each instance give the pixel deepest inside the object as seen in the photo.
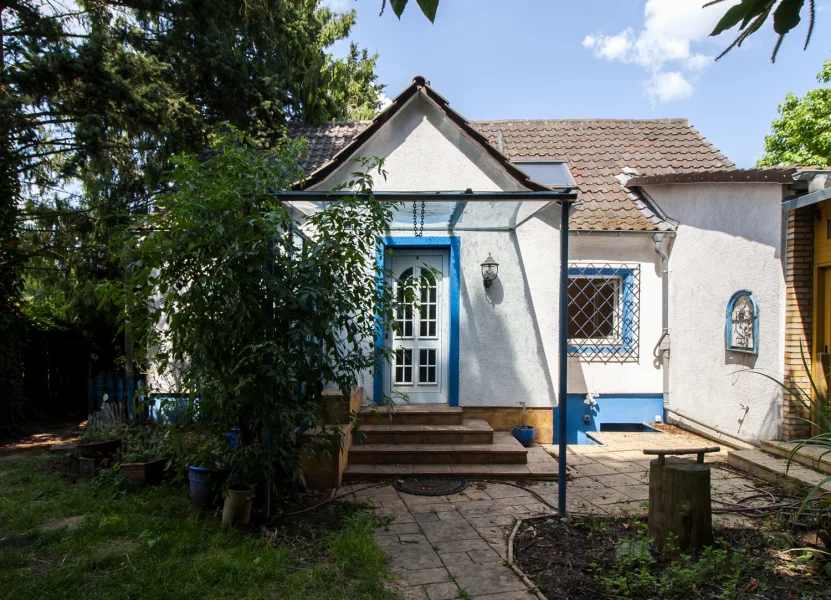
(413, 538)
(463, 545)
(618, 480)
(583, 483)
(492, 532)
(397, 515)
(477, 507)
(594, 470)
(483, 557)
(636, 492)
(454, 558)
(445, 531)
(526, 595)
(495, 579)
(412, 556)
(442, 591)
(422, 576)
(413, 593)
(450, 515)
(498, 491)
(396, 529)
(425, 517)
(607, 496)
(491, 520)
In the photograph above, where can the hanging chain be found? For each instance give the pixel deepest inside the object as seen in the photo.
(418, 231)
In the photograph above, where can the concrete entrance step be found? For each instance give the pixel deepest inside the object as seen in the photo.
(775, 469)
(531, 471)
(470, 431)
(504, 450)
(411, 414)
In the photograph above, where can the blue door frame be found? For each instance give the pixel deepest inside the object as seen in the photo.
(453, 244)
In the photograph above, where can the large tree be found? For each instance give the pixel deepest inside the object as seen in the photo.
(802, 133)
(97, 95)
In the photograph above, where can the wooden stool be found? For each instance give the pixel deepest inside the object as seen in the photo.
(679, 498)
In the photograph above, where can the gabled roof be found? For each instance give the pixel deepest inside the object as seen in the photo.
(366, 129)
(596, 150)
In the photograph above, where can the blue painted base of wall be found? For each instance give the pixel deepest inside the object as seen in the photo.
(610, 408)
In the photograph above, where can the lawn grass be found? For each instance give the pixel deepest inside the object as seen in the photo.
(151, 544)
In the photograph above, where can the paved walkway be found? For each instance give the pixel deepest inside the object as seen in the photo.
(442, 546)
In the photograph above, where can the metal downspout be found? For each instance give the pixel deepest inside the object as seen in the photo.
(661, 349)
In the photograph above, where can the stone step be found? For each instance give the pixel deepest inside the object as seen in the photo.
(531, 471)
(814, 457)
(471, 431)
(504, 450)
(411, 414)
(775, 469)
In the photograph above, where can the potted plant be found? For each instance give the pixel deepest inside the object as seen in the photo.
(142, 456)
(102, 435)
(207, 468)
(522, 432)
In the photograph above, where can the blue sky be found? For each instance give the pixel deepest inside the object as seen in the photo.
(501, 59)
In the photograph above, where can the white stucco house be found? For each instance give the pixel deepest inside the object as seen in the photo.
(676, 274)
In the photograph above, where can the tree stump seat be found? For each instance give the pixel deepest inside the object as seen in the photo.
(679, 498)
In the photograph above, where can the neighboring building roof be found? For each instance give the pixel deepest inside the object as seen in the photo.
(596, 152)
(776, 175)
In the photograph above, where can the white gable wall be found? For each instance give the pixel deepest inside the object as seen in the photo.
(425, 151)
(729, 239)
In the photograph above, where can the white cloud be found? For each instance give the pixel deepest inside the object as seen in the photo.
(668, 87)
(666, 47)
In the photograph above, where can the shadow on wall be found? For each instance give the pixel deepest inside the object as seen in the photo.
(489, 362)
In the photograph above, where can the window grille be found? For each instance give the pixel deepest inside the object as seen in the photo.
(604, 312)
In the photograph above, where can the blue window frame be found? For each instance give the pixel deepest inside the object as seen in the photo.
(603, 312)
(741, 330)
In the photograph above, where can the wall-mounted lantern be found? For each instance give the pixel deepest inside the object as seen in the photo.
(490, 271)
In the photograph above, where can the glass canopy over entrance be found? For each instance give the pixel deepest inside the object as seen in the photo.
(443, 211)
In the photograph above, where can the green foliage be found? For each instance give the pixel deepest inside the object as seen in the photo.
(428, 7)
(144, 444)
(151, 544)
(750, 15)
(252, 317)
(95, 97)
(99, 429)
(802, 133)
(635, 574)
(818, 417)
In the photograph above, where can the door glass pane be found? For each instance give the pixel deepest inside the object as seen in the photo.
(403, 366)
(404, 315)
(428, 322)
(427, 365)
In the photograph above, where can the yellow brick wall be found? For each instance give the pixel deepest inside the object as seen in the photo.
(504, 418)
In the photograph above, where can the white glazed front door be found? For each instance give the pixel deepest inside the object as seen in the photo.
(420, 345)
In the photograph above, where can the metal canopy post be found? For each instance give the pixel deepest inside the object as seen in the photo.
(565, 209)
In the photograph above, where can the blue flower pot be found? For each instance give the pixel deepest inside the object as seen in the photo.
(205, 485)
(524, 434)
